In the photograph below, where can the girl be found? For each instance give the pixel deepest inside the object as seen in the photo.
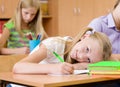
(77, 54)
(27, 19)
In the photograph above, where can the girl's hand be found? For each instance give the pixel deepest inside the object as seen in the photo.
(22, 50)
(63, 68)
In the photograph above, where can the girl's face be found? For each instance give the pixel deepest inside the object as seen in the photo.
(28, 14)
(87, 50)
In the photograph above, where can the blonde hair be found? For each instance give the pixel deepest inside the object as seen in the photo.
(116, 4)
(36, 23)
(103, 40)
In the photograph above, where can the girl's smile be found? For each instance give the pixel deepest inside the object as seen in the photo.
(86, 50)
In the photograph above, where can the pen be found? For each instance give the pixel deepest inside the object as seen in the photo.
(58, 56)
(38, 37)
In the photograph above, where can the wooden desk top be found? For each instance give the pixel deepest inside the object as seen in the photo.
(51, 81)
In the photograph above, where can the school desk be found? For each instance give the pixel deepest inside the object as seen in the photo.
(7, 61)
(52, 81)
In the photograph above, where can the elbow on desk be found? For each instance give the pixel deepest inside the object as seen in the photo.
(18, 68)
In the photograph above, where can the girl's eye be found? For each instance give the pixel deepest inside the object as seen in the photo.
(26, 12)
(87, 50)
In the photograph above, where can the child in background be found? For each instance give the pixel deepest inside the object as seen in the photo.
(110, 25)
(87, 47)
(28, 18)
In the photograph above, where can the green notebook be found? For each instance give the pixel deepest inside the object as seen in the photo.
(105, 65)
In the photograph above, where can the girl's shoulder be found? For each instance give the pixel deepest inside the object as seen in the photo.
(56, 42)
(59, 39)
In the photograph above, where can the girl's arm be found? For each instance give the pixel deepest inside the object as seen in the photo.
(21, 50)
(4, 37)
(3, 40)
(29, 65)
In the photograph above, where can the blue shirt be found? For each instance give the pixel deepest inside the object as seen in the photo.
(106, 25)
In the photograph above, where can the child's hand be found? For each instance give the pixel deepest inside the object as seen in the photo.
(22, 50)
(63, 68)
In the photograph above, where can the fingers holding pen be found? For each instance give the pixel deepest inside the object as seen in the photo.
(67, 68)
(61, 68)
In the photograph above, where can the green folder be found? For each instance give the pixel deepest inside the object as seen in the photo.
(105, 65)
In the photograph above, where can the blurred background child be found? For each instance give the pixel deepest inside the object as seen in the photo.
(28, 18)
(110, 25)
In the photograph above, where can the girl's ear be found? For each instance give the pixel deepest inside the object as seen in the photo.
(84, 36)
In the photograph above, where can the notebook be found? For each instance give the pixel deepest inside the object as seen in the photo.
(76, 72)
(105, 67)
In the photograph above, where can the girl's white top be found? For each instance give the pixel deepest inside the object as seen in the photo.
(56, 44)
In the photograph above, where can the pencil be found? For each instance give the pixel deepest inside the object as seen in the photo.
(38, 37)
(58, 56)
